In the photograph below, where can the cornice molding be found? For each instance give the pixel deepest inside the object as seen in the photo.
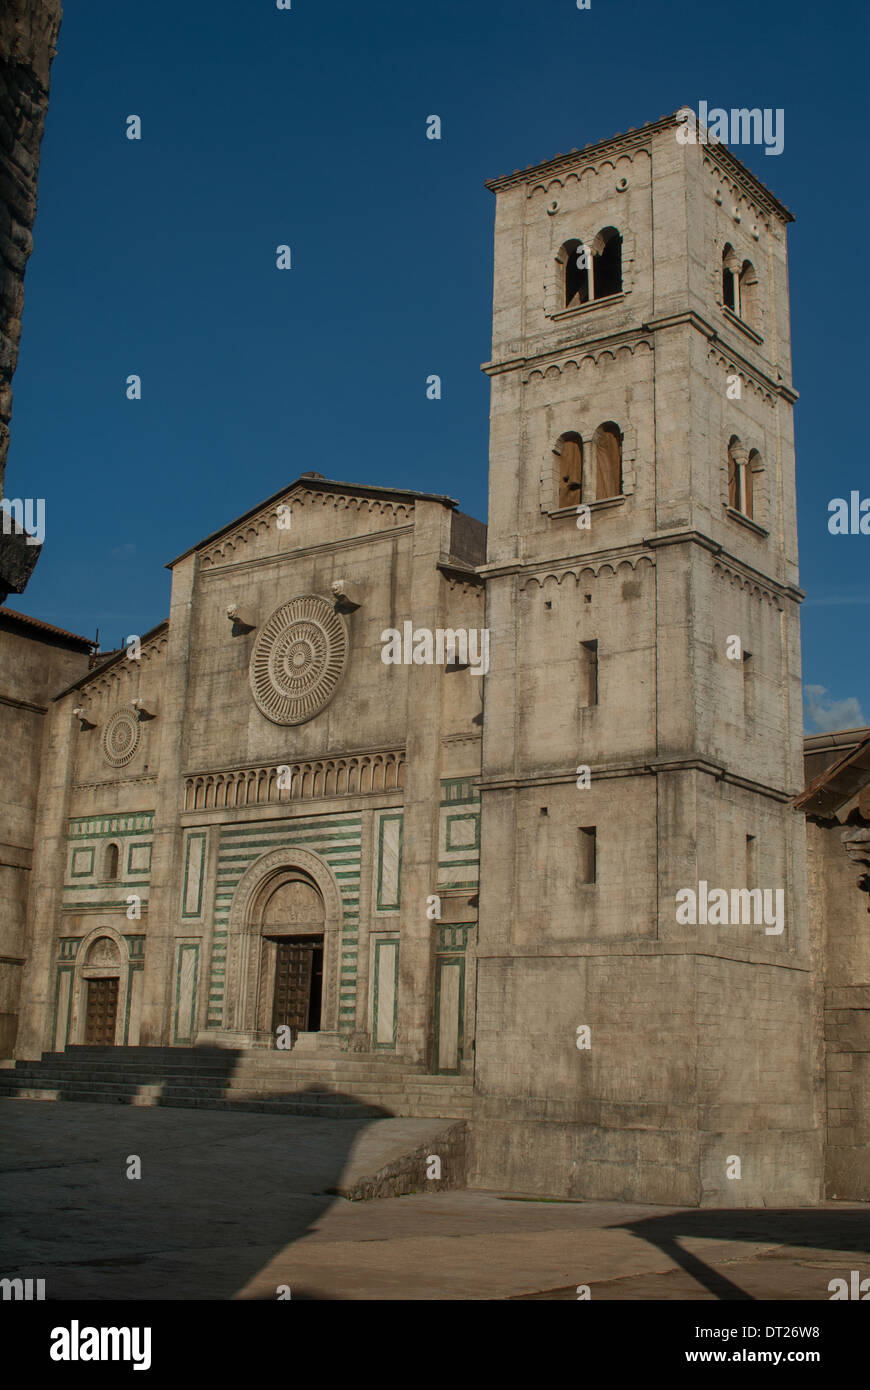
(577, 359)
(593, 166)
(719, 157)
(266, 520)
(645, 768)
(579, 568)
(567, 349)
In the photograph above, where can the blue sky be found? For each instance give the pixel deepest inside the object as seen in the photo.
(307, 127)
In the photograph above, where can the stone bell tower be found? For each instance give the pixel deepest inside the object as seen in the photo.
(642, 720)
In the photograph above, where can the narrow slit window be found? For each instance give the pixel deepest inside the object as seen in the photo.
(589, 673)
(587, 854)
(751, 861)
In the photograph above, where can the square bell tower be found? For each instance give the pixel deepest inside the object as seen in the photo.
(643, 719)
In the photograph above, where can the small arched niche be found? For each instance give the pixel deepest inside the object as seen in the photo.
(111, 858)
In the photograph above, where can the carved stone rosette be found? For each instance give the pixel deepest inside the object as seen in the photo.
(298, 659)
(121, 736)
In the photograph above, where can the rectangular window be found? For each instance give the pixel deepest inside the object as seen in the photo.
(588, 673)
(751, 861)
(587, 854)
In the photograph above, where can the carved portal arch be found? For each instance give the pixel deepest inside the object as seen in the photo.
(102, 954)
(252, 919)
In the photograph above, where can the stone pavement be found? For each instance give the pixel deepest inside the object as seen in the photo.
(232, 1206)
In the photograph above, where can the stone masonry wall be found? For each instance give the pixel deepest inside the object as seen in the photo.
(28, 34)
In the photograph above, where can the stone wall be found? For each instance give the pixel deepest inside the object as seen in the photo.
(33, 667)
(837, 904)
(28, 34)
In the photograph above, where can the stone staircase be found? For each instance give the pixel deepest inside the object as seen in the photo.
(337, 1086)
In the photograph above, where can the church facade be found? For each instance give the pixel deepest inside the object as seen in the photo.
(513, 805)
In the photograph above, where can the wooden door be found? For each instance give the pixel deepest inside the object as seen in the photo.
(102, 1011)
(292, 998)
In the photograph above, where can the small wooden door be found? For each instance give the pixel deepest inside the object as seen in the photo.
(298, 985)
(102, 1011)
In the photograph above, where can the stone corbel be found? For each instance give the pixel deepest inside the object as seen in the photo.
(239, 620)
(856, 843)
(348, 594)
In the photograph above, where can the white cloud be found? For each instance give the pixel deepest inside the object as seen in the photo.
(823, 715)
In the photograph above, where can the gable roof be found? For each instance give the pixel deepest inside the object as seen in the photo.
(306, 480)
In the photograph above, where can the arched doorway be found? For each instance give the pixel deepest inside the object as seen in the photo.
(101, 995)
(291, 972)
(284, 944)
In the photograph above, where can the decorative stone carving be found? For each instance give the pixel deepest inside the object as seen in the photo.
(121, 736)
(856, 843)
(298, 659)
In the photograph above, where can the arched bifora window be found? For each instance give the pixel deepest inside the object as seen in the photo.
(592, 271)
(744, 477)
(607, 450)
(739, 286)
(569, 456)
(110, 862)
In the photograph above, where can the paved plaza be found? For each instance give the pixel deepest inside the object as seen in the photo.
(233, 1206)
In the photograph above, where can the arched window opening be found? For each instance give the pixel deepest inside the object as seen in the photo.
(740, 468)
(729, 283)
(754, 469)
(748, 294)
(110, 862)
(569, 453)
(576, 261)
(607, 447)
(607, 264)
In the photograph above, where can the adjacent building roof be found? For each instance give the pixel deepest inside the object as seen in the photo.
(109, 659)
(58, 636)
(834, 791)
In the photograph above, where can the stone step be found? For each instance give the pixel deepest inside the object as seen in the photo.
(264, 1062)
(275, 1080)
(372, 1089)
(323, 1109)
(313, 1104)
(330, 1084)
